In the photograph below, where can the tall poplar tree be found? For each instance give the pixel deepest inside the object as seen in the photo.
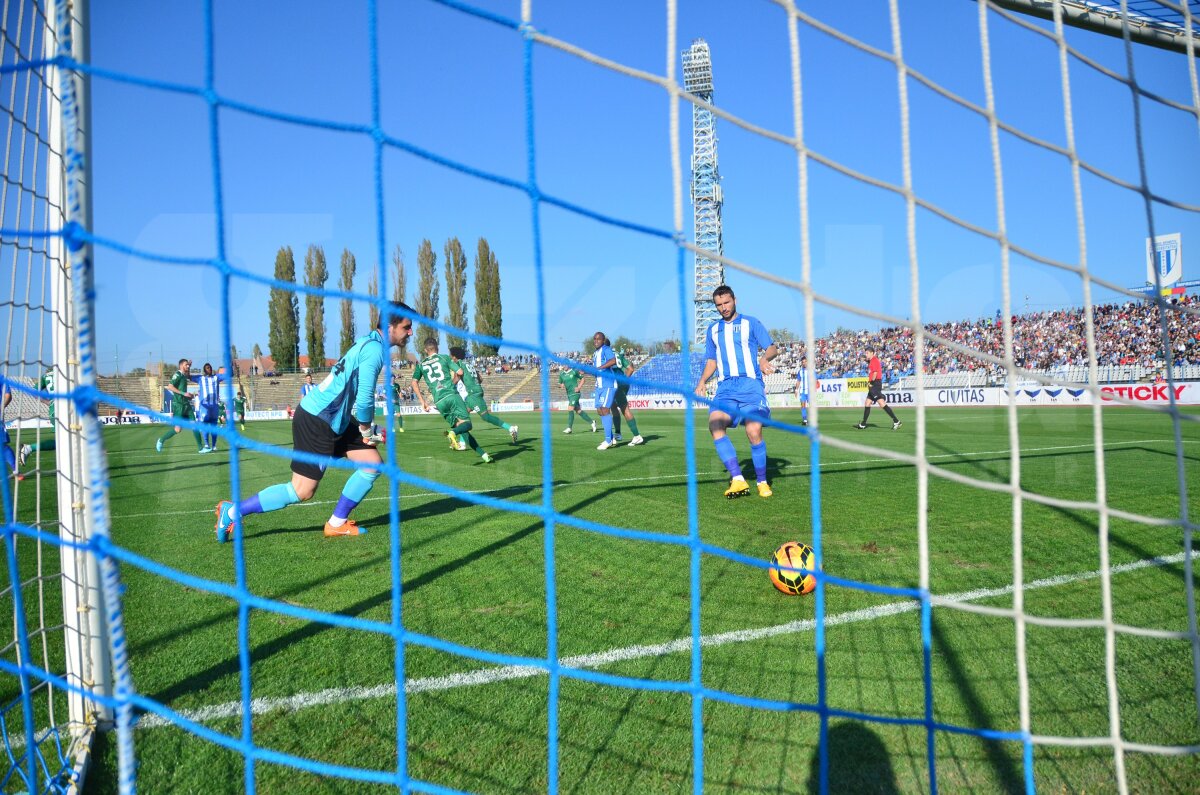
(316, 273)
(346, 284)
(401, 281)
(373, 291)
(456, 291)
(428, 291)
(283, 314)
(487, 298)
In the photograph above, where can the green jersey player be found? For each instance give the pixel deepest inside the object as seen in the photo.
(239, 409)
(45, 384)
(570, 380)
(441, 375)
(621, 401)
(470, 388)
(398, 423)
(181, 405)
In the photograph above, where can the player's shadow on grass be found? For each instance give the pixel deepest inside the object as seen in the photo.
(858, 762)
(647, 437)
(433, 508)
(232, 666)
(775, 468)
(508, 451)
(129, 470)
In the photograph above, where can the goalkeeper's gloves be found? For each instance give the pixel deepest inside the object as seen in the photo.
(373, 434)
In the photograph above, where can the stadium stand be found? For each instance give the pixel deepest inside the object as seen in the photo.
(24, 405)
(1052, 343)
(666, 368)
(142, 390)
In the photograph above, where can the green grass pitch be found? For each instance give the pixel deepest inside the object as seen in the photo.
(476, 576)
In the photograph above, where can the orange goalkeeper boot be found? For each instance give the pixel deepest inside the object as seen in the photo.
(350, 528)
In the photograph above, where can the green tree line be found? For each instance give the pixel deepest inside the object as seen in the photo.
(283, 306)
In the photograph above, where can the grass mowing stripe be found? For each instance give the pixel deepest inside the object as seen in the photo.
(484, 676)
(609, 481)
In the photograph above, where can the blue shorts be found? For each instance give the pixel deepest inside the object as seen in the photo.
(804, 397)
(208, 414)
(747, 396)
(604, 397)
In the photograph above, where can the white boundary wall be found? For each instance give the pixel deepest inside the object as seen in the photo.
(850, 392)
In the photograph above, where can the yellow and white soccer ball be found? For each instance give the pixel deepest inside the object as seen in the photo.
(794, 555)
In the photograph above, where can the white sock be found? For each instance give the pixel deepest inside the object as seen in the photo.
(335, 521)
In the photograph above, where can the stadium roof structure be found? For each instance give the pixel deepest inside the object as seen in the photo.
(1168, 24)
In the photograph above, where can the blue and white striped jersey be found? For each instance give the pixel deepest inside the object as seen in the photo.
(348, 392)
(802, 381)
(209, 395)
(735, 345)
(602, 355)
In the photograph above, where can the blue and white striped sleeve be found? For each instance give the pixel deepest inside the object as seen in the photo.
(760, 335)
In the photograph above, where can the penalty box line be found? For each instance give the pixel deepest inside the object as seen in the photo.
(485, 676)
(645, 478)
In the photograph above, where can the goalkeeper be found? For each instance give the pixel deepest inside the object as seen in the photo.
(333, 420)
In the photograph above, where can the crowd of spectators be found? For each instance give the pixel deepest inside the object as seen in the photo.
(1126, 334)
(493, 365)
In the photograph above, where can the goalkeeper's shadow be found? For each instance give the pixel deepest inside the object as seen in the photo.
(858, 761)
(231, 666)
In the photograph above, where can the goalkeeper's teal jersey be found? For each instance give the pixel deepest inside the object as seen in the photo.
(348, 392)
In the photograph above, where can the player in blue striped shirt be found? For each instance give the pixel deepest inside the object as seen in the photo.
(210, 404)
(606, 386)
(333, 421)
(739, 349)
(802, 393)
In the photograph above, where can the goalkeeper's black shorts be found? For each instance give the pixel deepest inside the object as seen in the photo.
(313, 435)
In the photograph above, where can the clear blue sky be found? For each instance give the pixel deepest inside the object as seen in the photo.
(452, 83)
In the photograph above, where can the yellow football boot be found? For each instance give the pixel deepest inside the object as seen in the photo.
(738, 487)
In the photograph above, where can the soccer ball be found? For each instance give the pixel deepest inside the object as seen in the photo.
(796, 556)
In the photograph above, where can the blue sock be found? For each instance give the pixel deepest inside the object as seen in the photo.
(356, 488)
(271, 498)
(608, 429)
(804, 413)
(10, 458)
(758, 453)
(728, 456)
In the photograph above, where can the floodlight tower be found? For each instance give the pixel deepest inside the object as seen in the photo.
(706, 187)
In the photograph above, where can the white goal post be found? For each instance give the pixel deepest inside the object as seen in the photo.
(53, 671)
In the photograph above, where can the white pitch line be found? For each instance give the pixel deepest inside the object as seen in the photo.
(824, 465)
(484, 676)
